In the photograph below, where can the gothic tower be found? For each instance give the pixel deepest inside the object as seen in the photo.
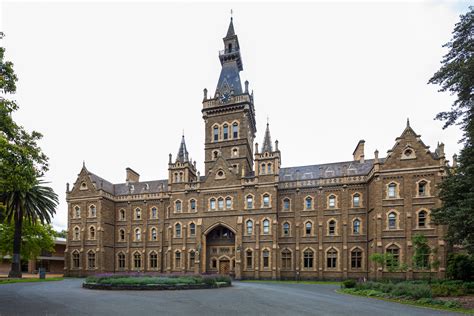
(229, 116)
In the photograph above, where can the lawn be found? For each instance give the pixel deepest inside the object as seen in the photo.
(9, 281)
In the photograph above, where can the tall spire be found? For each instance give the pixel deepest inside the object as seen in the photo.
(182, 152)
(230, 30)
(267, 141)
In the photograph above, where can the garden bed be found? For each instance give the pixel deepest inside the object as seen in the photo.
(448, 295)
(155, 282)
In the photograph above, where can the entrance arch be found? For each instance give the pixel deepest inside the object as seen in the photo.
(220, 249)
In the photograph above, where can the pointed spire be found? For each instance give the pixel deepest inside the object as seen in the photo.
(267, 141)
(408, 122)
(230, 30)
(182, 152)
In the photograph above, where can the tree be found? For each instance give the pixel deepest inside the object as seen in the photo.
(61, 234)
(424, 257)
(35, 239)
(22, 164)
(456, 76)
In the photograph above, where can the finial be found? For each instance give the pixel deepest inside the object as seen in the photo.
(83, 164)
(408, 122)
(205, 93)
(376, 154)
(170, 159)
(268, 120)
(246, 86)
(183, 132)
(231, 14)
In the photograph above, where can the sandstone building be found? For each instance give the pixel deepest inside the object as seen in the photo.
(248, 217)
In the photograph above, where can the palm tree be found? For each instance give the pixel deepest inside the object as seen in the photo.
(38, 203)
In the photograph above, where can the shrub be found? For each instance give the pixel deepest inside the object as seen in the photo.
(414, 291)
(348, 284)
(460, 267)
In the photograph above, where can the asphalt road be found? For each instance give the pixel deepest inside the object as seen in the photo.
(69, 298)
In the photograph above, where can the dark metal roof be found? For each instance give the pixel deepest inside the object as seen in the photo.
(154, 186)
(329, 170)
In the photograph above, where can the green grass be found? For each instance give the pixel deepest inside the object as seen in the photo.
(293, 282)
(28, 280)
(374, 294)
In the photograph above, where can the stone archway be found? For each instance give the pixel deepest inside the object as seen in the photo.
(220, 250)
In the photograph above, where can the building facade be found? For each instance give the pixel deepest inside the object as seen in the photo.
(248, 217)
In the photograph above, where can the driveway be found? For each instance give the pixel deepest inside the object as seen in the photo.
(69, 298)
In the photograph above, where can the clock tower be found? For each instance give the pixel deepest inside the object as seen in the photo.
(229, 116)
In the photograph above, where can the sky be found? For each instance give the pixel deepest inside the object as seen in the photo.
(114, 84)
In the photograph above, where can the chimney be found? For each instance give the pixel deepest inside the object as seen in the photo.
(132, 176)
(359, 151)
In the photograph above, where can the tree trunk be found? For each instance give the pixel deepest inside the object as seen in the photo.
(15, 271)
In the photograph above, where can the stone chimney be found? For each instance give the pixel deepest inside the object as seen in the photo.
(359, 151)
(132, 176)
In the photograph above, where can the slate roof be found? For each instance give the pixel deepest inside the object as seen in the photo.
(230, 30)
(330, 170)
(182, 155)
(131, 188)
(267, 141)
(229, 78)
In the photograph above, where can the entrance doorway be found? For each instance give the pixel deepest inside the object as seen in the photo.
(224, 266)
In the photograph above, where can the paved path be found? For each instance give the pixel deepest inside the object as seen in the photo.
(68, 298)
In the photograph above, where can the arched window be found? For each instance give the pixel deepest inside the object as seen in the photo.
(177, 230)
(228, 203)
(122, 214)
(308, 259)
(394, 259)
(76, 260)
(77, 212)
(269, 168)
(392, 220)
(220, 203)
(137, 260)
(138, 213)
(422, 215)
(92, 232)
(122, 235)
(266, 200)
(356, 258)
(249, 227)
(153, 234)
(266, 258)
(235, 130)
(356, 200)
(121, 261)
(192, 259)
(235, 152)
(92, 211)
(249, 259)
(286, 204)
(153, 260)
(356, 226)
(91, 259)
(308, 229)
(263, 168)
(226, 131)
(392, 190)
(286, 229)
(154, 213)
(178, 207)
(332, 227)
(332, 201)
(286, 259)
(192, 230)
(138, 234)
(212, 204)
(422, 188)
(249, 201)
(216, 133)
(331, 258)
(308, 203)
(266, 227)
(177, 259)
(77, 234)
(192, 205)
